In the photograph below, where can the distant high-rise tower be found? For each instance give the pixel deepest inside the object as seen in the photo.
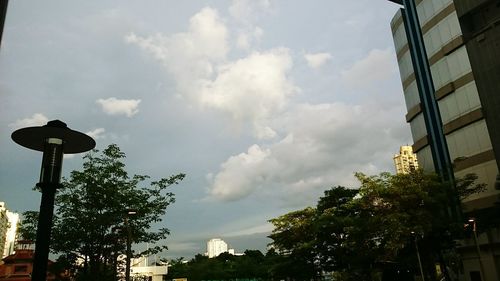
(215, 247)
(406, 160)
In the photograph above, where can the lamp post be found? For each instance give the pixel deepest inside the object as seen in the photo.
(54, 140)
(129, 213)
(418, 255)
(478, 250)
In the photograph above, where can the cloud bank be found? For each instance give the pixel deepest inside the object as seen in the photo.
(324, 146)
(299, 149)
(250, 90)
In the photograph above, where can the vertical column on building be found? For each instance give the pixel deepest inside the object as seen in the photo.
(430, 109)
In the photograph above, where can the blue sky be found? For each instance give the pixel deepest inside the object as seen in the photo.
(263, 104)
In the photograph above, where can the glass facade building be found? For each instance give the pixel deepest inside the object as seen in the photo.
(452, 94)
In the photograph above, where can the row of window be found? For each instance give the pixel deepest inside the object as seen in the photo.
(427, 9)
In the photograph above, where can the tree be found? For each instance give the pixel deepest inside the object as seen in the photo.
(333, 218)
(252, 265)
(294, 237)
(92, 222)
(370, 231)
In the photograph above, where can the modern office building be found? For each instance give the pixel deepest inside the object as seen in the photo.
(448, 55)
(406, 160)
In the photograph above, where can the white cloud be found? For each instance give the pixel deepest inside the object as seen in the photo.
(114, 106)
(97, 133)
(377, 66)
(37, 119)
(247, 11)
(189, 56)
(241, 174)
(317, 60)
(250, 90)
(247, 37)
(325, 144)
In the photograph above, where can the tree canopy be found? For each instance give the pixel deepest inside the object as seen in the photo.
(366, 232)
(93, 215)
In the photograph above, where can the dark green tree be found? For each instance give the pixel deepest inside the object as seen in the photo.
(92, 218)
(294, 238)
(334, 216)
(365, 233)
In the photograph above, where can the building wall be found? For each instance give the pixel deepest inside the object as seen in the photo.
(479, 20)
(465, 75)
(4, 226)
(467, 134)
(216, 247)
(11, 235)
(406, 160)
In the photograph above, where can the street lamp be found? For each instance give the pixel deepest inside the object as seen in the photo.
(478, 250)
(54, 140)
(128, 214)
(418, 255)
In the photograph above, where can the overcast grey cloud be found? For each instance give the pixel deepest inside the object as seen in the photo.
(263, 104)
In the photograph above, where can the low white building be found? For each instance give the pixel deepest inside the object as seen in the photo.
(140, 267)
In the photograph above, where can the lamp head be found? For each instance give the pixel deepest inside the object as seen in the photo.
(36, 137)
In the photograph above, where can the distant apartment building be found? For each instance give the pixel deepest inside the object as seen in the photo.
(217, 246)
(8, 230)
(449, 63)
(11, 236)
(406, 160)
(4, 226)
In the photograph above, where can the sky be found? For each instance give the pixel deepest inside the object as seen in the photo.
(264, 104)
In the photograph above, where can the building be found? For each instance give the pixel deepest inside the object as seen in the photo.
(8, 230)
(217, 246)
(406, 160)
(18, 266)
(447, 53)
(11, 236)
(4, 226)
(141, 268)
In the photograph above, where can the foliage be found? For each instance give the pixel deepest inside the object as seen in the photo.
(293, 237)
(92, 220)
(371, 231)
(252, 265)
(27, 226)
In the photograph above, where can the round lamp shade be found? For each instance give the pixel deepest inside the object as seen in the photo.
(36, 137)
